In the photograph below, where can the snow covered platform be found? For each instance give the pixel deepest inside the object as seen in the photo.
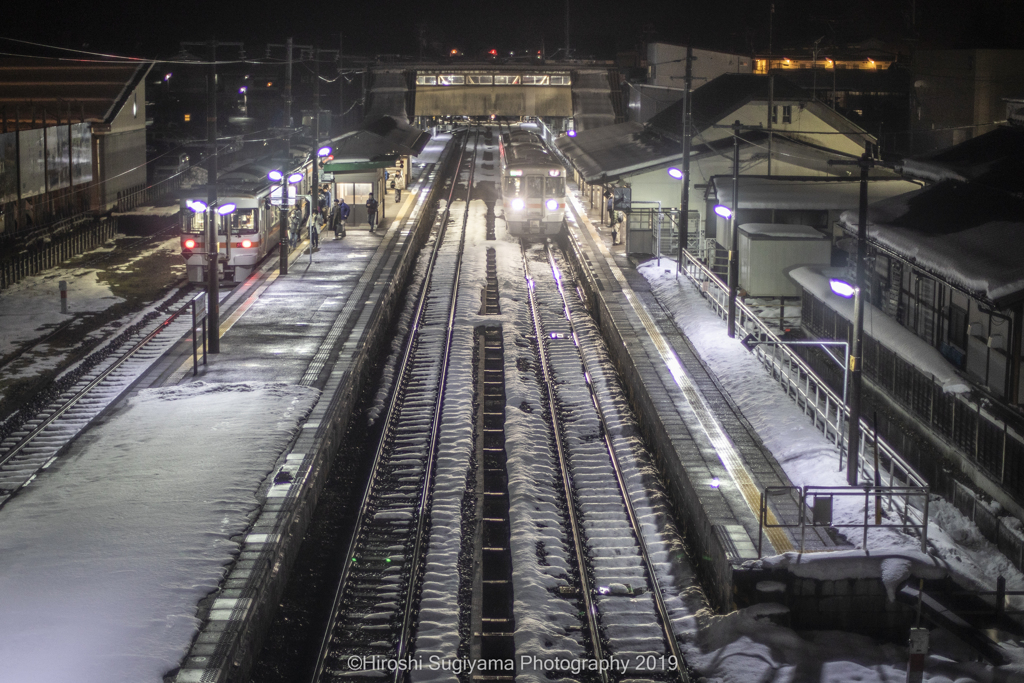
(714, 462)
(163, 538)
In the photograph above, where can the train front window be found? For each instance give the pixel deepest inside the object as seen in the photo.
(242, 222)
(513, 186)
(534, 186)
(554, 187)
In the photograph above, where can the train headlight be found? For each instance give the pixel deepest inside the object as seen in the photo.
(552, 204)
(190, 244)
(246, 244)
(518, 204)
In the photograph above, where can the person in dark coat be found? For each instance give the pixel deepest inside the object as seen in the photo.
(371, 212)
(343, 212)
(334, 218)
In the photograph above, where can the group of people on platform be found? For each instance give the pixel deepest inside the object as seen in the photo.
(334, 217)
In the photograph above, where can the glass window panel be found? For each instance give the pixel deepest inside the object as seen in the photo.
(554, 187)
(534, 186)
(481, 80)
(426, 80)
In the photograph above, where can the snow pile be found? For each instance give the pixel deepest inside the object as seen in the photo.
(101, 569)
(882, 328)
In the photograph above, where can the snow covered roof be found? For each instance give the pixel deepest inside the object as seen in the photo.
(882, 328)
(995, 159)
(780, 231)
(966, 234)
(809, 194)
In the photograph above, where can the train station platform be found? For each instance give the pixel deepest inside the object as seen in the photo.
(195, 490)
(711, 456)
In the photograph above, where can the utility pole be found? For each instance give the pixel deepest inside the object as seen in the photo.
(566, 30)
(771, 114)
(341, 85)
(314, 195)
(288, 97)
(734, 242)
(865, 162)
(286, 169)
(734, 239)
(684, 196)
(212, 245)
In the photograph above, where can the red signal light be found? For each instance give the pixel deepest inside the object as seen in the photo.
(246, 244)
(493, 52)
(190, 244)
(455, 52)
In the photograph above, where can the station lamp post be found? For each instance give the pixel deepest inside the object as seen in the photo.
(212, 258)
(285, 180)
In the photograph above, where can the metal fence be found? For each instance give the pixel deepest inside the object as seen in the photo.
(72, 238)
(815, 508)
(994, 445)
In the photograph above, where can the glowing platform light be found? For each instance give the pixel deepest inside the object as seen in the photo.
(294, 178)
(225, 209)
(275, 176)
(723, 211)
(196, 206)
(323, 151)
(842, 288)
(675, 173)
(571, 133)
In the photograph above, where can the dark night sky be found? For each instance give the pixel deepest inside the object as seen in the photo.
(599, 28)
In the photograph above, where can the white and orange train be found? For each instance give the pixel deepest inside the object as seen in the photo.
(532, 185)
(245, 235)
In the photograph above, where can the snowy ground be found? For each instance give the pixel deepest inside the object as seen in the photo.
(30, 309)
(741, 647)
(101, 569)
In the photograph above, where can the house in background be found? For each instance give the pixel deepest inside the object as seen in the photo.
(666, 76)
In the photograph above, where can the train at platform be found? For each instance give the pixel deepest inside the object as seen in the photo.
(248, 233)
(532, 185)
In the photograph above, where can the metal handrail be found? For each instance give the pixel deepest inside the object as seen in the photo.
(796, 375)
(910, 517)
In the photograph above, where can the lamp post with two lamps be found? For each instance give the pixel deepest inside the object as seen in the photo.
(285, 180)
(209, 211)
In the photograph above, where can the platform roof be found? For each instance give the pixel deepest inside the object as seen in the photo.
(805, 193)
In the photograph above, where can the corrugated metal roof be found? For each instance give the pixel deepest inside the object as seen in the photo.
(805, 193)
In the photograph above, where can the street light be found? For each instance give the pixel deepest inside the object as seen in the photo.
(842, 288)
(207, 209)
(324, 152)
(846, 290)
(675, 173)
(278, 176)
(723, 211)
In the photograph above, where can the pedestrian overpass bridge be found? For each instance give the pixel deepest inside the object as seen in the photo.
(587, 93)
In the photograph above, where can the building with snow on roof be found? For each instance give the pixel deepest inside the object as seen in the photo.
(637, 157)
(942, 355)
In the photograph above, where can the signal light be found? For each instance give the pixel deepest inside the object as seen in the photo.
(493, 52)
(246, 244)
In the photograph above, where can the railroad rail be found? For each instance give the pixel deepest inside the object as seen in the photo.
(623, 600)
(375, 600)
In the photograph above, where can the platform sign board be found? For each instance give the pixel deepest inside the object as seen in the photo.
(8, 167)
(32, 162)
(81, 153)
(58, 157)
(275, 196)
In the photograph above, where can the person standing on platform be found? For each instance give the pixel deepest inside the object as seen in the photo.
(343, 212)
(315, 225)
(611, 208)
(371, 212)
(334, 218)
(617, 226)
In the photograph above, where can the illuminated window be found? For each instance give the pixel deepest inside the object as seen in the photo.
(426, 80)
(480, 80)
(451, 79)
(506, 80)
(560, 80)
(188, 117)
(536, 80)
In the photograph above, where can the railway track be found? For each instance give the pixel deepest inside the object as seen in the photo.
(629, 625)
(377, 596)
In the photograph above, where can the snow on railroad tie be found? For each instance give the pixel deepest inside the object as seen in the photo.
(102, 569)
